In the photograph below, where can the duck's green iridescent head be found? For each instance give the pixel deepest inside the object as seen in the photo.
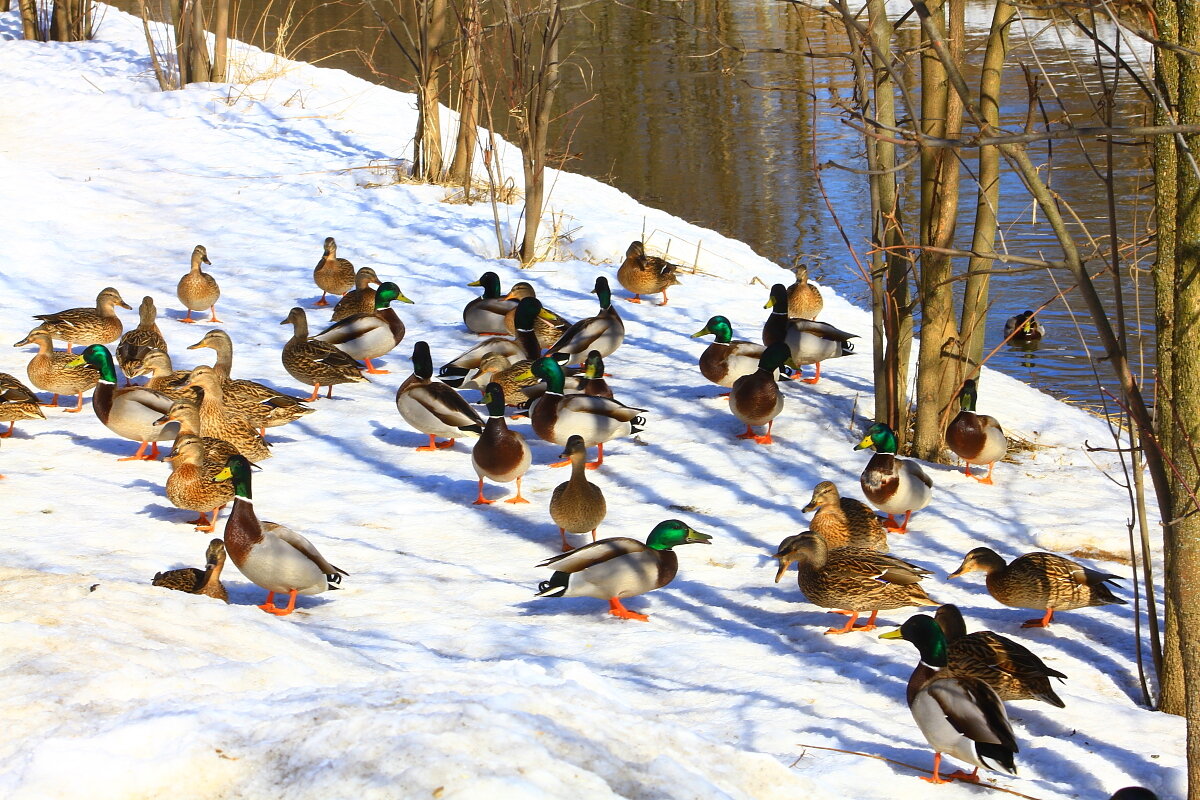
(672, 532)
(422, 360)
(386, 293)
(717, 326)
(493, 398)
(97, 357)
(968, 396)
(602, 291)
(527, 313)
(774, 357)
(881, 437)
(237, 469)
(490, 282)
(593, 367)
(551, 372)
(924, 632)
(778, 302)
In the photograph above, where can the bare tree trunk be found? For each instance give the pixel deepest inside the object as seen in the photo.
(29, 26)
(471, 30)
(221, 45)
(426, 20)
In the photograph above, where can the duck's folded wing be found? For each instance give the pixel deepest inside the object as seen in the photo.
(595, 553)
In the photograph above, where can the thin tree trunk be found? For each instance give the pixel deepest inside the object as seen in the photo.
(468, 108)
(221, 44)
(428, 18)
(29, 26)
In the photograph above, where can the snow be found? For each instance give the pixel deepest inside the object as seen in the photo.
(434, 671)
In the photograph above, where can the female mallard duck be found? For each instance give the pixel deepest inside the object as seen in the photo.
(434, 408)
(186, 412)
(958, 715)
(1023, 327)
(485, 314)
(975, 438)
(852, 580)
(318, 363)
(592, 382)
(332, 275)
(603, 332)
(555, 417)
(84, 326)
(726, 360)
(577, 505)
(131, 412)
(190, 485)
(844, 521)
(804, 299)
(16, 402)
(1043, 581)
(163, 376)
(269, 555)
(611, 569)
(755, 399)
(810, 342)
(263, 406)
(205, 581)
(642, 274)
(360, 299)
(135, 343)
(1009, 668)
(198, 290)
(500, 454)
(547, 325)
(893, 484)
(222, 422)
(367, 336)
(58, 372)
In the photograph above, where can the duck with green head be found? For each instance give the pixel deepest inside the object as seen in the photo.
(726, 360)
(893, 484)
(808, 341)
(755, 399)
(500, 454)
(612, 569)
(975, 438)
(485, 314)
(515, 379)
(548, 326)
(271, 556)
(432, 407)
(604, 332)
(367, 336)
(959, 716)
(130, 412)
(592, 382)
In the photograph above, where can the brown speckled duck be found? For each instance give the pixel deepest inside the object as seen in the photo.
(190, 485)
(220, 421)
(499, 454)
(316, 363)
(975, 438)
(136, 342)
(804, 299)
(198, 290)
(332, 275)
(577, 505)
(360, 299)
(844, 521)
(642, 274)
(56, 371)
(17, 402)
(205, 581)
(84, 326)
(263, 406)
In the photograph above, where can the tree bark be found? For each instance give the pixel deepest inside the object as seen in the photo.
(471, 29)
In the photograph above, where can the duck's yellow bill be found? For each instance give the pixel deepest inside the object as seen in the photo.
(892, 635)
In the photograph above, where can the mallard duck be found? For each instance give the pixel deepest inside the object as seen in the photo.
(146, 336)
(263, 406)
(975, 438)
(804, 298)
(332, 275)
(755, 399)
(131, 412)
(592, 382)
(57, 372)
(547, 325)
(318, 363)
(893, 484)
(205, 581)
(1134, 793)
(1023, 327)
(367, 336)
(960, 716)
(499, 454)
(269, 555)
(514, 376)
(434, 408)
(603, 332)
(577, 505)
(810, 342)
(163, 375)
(360, 299)
(186, 412)
(198, 290)
(219, 421)
(84, 326)
(191, 487)
(16, 402)
(852, 580)
(642, 274)
(1043, 581)
(844, 521)
(454, 373)
(485, 314)
(555, 417)
(726, 360)
(611, 569)
(1009, 668)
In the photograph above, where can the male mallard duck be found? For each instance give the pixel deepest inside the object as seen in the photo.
(810, 342)
(893, 484)
(271, 556)
(726, 360)
(603, 332)
(454, 373)
(263, 406)
(844, 521)
(318, 363)
(186, 412)
(555, 417)
(1043, 581)
(611, 569)
(547, 325)
(577, 505)
(592, 382)
(485, 314)
(84, 326)
(959, 715)
(1009, 668)
(16, 402)
(131, 412)
(755, 399)
(360, 299)
(198, 290)
(205, 581)
(514, 376)
(57, 372)
(852, 580)
(191, 487)
(804, 299)
(975, 438)
(642, 274)
(367, 336)
(136, 342)
(163, 375)
(500, 454)
(1023, 327)
(433, 408)
(222, 422)
(332, 275)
